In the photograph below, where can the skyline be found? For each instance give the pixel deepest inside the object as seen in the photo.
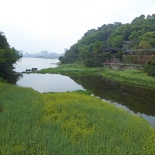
(55, 25)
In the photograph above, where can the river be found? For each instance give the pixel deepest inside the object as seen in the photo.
(140, 101)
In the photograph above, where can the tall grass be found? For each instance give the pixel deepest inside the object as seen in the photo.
(68, 123)
(130, 76)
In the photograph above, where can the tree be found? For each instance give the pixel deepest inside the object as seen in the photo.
(97, 47)
(107, 57)
(142, 51)
(153, 16)
(8, 56)
(119, 55)
(148, 38)
(147, 42)
(61, 59)
(142, 17)
(118, 42)
(3, 41)
(150, 68)
(91, 47)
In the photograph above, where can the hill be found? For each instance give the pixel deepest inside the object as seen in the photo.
(98, 45)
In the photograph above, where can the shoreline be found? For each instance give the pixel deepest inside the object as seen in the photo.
(128, 76)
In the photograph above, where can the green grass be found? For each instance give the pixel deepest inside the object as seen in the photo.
(130, 76)
(1, 80)
(68, 123)
(70, 69)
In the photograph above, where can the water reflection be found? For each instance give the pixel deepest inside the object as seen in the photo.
(139, 100)
(49, 83)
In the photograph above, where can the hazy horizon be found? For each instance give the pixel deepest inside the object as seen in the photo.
(55, 25)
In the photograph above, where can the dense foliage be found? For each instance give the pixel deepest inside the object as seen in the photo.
(112, 38)
(68, 123)
(8, 56)
(150, 68)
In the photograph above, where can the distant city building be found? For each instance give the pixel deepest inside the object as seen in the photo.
(42, 54)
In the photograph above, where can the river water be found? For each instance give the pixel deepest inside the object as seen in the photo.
(140, 101)
(44, 82)
(29, 63)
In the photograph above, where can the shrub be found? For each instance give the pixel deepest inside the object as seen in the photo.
(150, 68)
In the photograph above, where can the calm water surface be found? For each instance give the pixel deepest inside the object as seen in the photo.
(44, 82)
(29, 63)
(49, 83)
(136, 100)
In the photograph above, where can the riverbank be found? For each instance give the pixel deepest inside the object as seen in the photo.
(70, 70)
(68, 123)
(130, 76)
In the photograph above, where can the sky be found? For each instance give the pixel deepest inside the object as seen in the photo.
(54, 25)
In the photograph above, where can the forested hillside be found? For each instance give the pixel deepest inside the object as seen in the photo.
(98, 45)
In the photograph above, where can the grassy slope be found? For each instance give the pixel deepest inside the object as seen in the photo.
(68, 123)
(130, 76)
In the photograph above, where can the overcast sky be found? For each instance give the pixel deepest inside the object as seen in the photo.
(53, 25)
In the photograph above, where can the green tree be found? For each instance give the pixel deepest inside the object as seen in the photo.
(142, 51)
(148, 38)
(3, 41)
(8, 57)
(150, 68)
(119, 55)
(91, 47)
(107, 57)
(142, 17)
(118, 42)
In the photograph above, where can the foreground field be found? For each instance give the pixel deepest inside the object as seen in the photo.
(68, 123)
